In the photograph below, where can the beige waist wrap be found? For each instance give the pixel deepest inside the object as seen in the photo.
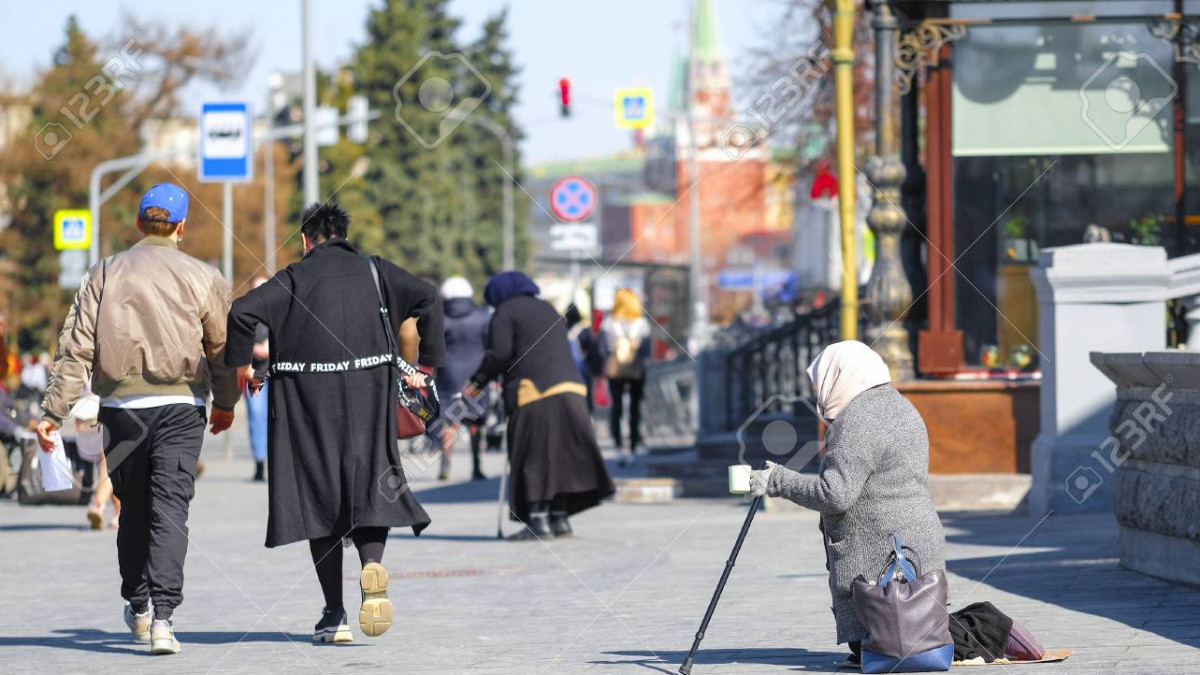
(527, 391)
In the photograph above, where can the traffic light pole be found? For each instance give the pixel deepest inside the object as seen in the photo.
(501, 133)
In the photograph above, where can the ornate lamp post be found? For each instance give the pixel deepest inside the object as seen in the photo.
(889, 294)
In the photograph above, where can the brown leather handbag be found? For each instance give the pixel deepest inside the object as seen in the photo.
(416, 407)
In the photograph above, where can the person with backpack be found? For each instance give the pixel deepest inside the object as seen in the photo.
(626, 342)
(148, 327)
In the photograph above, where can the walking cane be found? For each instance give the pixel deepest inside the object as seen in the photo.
(500, 503)
(686, 667)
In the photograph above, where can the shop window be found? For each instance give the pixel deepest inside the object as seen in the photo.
(1061, 133)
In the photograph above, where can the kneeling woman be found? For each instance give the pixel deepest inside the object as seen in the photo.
(874, 477)
(557, 469)
(333, 468)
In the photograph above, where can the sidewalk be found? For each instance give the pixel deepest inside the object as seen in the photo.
(625, 596)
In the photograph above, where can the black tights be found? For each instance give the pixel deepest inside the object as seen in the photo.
(327, 559)
(475, 431)
(618, 387)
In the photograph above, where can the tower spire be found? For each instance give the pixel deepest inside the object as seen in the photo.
(705, 38)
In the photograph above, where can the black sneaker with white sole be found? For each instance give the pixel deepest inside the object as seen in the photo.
(332, 627)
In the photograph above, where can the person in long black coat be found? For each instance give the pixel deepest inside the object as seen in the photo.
(333, 466)
(557, 470)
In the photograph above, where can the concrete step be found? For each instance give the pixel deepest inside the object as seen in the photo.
(646, 490)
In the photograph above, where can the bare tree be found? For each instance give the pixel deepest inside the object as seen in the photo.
(173, 57)
(797, 50)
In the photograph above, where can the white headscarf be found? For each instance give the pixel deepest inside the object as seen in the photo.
(456, 287)
(842, 371)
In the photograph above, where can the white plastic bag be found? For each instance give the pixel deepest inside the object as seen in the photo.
(57, 473)
(90, 443)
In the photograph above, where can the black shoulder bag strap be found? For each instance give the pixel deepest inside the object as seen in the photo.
(384, 316)
(406, 397)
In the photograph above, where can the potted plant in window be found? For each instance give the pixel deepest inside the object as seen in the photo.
(1147, 230)
(1018, 246)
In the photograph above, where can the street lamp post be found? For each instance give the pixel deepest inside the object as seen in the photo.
(698, 284)
(501, 133)
(310, 105)
(889, 294)
(843, 59)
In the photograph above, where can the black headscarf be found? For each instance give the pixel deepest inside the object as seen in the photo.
(508, 285)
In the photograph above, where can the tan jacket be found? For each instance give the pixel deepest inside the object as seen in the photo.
(147, 321)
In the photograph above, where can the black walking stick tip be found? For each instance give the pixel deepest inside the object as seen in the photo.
(686, 667)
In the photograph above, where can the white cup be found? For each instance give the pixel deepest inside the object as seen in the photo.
(739, 479)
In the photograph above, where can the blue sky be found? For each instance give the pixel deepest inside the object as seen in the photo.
(599, 44)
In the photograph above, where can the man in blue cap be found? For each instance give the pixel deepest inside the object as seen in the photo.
(148, 328)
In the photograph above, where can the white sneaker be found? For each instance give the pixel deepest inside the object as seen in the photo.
(162, 637)
(139, 624)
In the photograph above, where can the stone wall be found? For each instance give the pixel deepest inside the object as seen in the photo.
(1153, 458)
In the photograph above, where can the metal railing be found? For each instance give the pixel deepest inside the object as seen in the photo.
(768, 370)
(667, 409)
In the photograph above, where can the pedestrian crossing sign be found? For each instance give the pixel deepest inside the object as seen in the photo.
(634, 108)
(72, 229)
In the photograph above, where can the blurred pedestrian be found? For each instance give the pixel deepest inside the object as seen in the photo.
(148, 325)
(873, 480)
(584, 349)
(557, 470)
(89, 444)
(334, 468)
(466, 343)
(34, 376)
(626, 336)
(256, 406)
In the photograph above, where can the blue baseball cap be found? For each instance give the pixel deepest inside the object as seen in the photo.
(167, 196)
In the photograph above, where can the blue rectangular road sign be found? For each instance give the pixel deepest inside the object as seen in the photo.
(226, 143)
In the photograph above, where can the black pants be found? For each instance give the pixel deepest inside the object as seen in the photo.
(327, 559)
(152, 456)
(617, 388)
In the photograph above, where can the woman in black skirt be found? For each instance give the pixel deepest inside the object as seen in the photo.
(557, 470)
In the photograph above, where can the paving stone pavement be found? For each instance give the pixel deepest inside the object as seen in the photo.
(624, 596)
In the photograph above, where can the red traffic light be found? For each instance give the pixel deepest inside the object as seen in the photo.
(564, 94)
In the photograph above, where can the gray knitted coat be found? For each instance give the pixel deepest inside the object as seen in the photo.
(874, 480)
